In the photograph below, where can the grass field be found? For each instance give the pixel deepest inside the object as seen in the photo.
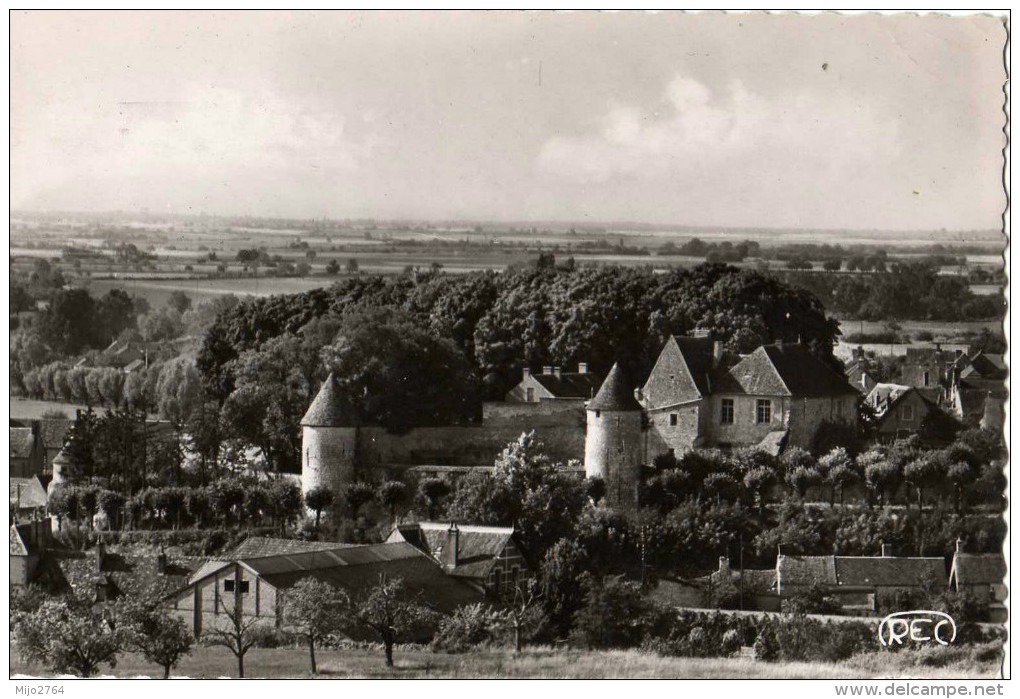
(533, 663)
(22, 409)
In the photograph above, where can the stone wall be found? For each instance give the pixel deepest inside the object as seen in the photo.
(328, 457)
(550, 412)
(614, 451)
(808, 414)
(681, 437)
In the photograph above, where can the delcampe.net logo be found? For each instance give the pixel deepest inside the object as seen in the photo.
(918, 626)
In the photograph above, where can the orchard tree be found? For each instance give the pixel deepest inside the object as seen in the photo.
(431, 492)
(159, 635)
(316, 609)
(393, 496)
(68, 636)
(386, 609)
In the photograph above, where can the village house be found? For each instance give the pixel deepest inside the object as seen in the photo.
(487, 558)
(27, 453)
(978, 393)
(27, 498)
(984, 576)
(28, 544)
(860, 584)
(899, 410)
(259, 583)
(554, 384)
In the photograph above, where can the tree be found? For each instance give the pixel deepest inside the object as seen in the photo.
(392, 495)
(352, 266)
(924, 473)
(68, 636)
(179, 301)
(611, 612)
(240, 635)
(316, 609)
(385, 609)
(522, 610)
(318, 499)
(357, 495)
(332, 268)
(285, 499)
(431, 491)
(837, 469)
(161, 637)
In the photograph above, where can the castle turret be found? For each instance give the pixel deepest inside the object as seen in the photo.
(61, 462)
(329, 440)
(613, 444)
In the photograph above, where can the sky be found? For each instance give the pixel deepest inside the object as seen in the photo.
(746, 120)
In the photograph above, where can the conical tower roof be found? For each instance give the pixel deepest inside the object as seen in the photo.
(329, 409)
(616, 393)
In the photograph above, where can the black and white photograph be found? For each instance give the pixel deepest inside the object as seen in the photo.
(502, 345)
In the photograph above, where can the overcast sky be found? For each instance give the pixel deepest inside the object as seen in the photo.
(740, 120)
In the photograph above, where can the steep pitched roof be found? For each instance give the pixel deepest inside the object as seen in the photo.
(27, 492)
(616, 393)
(979, 569)
(887, 571)
(329, 409)
(478, 547)
(259, 547)
(19, 547)
(987, 366)
(572, 385)
(22, 442)
(681, 372)
(754, 374)
(804, 374)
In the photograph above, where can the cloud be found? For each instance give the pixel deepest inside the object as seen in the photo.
(695, 128)
(214, 134)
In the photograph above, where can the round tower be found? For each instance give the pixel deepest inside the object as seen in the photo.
(613, 443)
(329, 441)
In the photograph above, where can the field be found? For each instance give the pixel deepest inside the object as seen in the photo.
(533, 663)
(22, 409)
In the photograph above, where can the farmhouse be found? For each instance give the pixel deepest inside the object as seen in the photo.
(486, 558)
(860, 584)
(984, 576)
(899, 409)
(27, 498)
(258, 584)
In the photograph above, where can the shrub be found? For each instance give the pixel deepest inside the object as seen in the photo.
(731, 642)
(467, 628)
(766, 645)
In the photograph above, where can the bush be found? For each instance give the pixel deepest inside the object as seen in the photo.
(731, 642)
(269, 637)
(766, 645)
(467, 628)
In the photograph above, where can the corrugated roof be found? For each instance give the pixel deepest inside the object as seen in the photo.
(314, 560)
(616, 393)
(329, 409)
(258, 546)
(27, 492)
(478, 546)
(22, 442)
(887, 571)
(979, 569)
(573, 385)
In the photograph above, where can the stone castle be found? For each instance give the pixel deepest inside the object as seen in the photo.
(695, 396)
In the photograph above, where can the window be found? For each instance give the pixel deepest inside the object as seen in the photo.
(764, 412)
(927, 378)
(673, 419)
(598, 413)
(839, 408)
(908, 413)
(228, 586)
(726, 412)
(529, 395)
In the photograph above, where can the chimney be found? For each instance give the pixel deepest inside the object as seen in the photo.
(717, 347)
(959, 545)
(547, 369)
(582, 367)
(724, 564)
(526, 372)
(556, 370)
(887, 551)
(100, 556)
(450, 549)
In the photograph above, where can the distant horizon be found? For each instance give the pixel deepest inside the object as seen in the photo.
(517, 223)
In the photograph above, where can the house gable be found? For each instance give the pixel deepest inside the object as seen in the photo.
(680, 374)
